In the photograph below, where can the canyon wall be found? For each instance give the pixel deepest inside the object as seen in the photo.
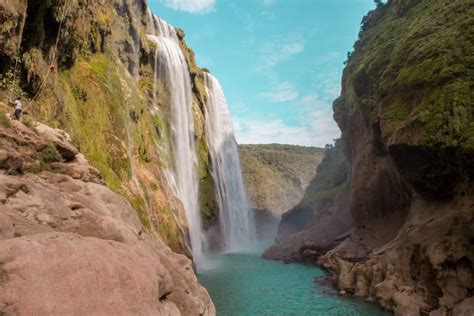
(101, 92)
(86, 192)
(321, 215)
(406, 114)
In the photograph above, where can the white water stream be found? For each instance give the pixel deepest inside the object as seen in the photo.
(171, 68)
(237, 228)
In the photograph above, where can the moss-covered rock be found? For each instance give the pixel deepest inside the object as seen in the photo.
(207, 196)
(101, 93)
(412, 68)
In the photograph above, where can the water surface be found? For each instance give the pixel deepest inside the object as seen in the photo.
(246, 284)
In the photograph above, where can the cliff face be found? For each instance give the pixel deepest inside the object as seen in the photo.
(101, 93)
(406, 115)
(70, 245)
(320, 216)
(277, 175)
(64, 212)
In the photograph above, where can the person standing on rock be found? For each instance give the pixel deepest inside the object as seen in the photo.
(17, 108)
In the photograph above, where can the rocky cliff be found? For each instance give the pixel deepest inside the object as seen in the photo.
(104, 220)
(320, 216)
(100, 92)
(406, 115)
(69, 245)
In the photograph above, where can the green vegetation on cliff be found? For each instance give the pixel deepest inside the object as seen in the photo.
(413, 68)
(332, 176)
(101, 93)
(277, 175)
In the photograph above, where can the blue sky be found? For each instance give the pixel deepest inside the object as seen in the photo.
(279, 61)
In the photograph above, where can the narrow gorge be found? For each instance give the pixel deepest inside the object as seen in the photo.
(124, 189)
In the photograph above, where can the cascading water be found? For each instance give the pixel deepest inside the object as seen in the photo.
(171, 69)
(237, 228)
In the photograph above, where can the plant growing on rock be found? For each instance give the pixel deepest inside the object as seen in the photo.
(50, 154)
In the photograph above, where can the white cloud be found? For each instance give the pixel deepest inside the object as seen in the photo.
(278, 51)
(315, 125)
(271, 131)
(318, 129)
(312, 100)
(316, 113)
(281, 92)
(327, 84)
(191, 6)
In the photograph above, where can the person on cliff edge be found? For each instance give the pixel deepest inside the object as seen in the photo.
(17, 108)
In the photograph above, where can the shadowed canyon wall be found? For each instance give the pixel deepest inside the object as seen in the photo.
(406, 115)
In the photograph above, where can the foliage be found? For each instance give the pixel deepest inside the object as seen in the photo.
(169, 230)
(79, 93)
(276, 175)
(412, 67)
(4, 121)
(97, 124)
(10, 83)
(332, 175)
(27, 122)
(13, 171)
(49, 154)
(141, 208)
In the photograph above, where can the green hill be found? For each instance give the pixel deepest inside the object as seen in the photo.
(276, 175)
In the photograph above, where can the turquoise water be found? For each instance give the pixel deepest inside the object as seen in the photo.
(246, 284)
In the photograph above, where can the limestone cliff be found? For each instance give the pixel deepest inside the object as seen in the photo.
(100, 92)
(406, 115)
(69, 245)
(321, 215)
(88, 69)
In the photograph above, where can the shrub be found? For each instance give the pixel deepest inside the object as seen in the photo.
(50, 154)
(4, 121)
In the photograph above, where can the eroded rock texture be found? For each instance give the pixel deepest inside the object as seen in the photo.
(102, 93)
(71, 246)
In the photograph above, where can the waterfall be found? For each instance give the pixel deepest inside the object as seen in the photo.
(171, 69)
(237, 228)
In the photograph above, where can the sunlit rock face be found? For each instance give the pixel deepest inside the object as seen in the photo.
(70, 245)
(105, 94)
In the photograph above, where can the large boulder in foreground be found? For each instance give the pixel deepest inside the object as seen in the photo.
(71, 246)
